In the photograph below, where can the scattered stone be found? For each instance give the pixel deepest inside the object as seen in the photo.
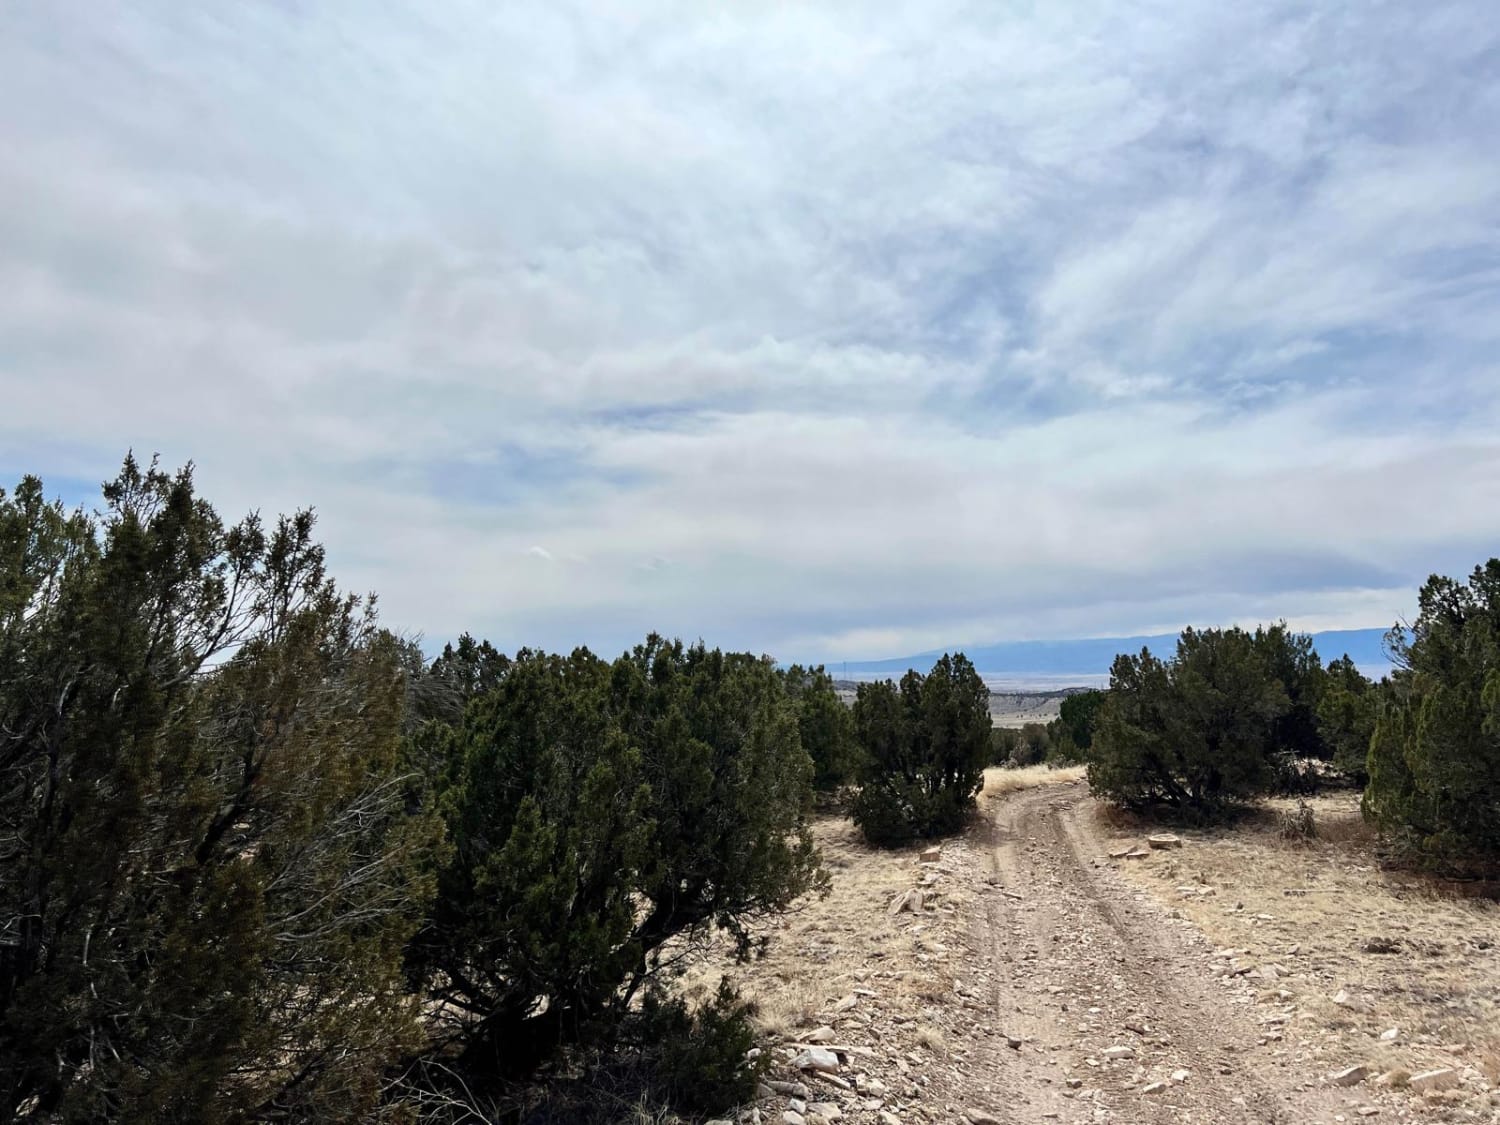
(1389, 1034)
(845, 1004)
(1367, 1111)
(1350, 1076)
(1074, 1083)
(980, 1117)
(907, 900)
(762, 1091)
(1156, 1088)
(826, 1110)
(817, 1059)
(823, 1034)
(1444, 1078)
(792, 1117)
(1180, 1076)
(932, 855)
(1013, 1043)
(889, 1118)
(1164, 840)
(1119, 1052)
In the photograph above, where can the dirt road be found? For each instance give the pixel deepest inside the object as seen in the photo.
(1109, 1007)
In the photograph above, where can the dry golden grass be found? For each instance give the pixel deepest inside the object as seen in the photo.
(999, 780)
(1404, 951)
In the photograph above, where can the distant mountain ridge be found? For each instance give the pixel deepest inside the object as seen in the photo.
(1092, 656)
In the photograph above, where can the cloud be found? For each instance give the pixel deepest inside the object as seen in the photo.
(823, 329)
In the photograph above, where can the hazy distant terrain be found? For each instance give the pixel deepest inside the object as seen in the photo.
(1010, 706)
(1049, 665)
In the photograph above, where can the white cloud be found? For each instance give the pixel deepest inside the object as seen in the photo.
(824, 328)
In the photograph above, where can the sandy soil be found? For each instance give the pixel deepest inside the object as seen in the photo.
(1041, 980)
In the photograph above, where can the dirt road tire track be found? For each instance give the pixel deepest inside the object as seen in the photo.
(1080, 963)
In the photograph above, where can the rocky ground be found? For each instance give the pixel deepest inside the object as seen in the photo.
(1024, 974)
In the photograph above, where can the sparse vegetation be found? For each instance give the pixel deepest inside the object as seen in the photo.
(264, 862)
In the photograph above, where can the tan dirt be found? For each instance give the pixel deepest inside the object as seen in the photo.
(1043, 981)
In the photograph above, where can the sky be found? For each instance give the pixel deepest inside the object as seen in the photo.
(831, 330)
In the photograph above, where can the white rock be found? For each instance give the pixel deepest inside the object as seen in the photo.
(1156, 1088)
(1350, 1076)
(826, 1110)
(1181, 1075)
(846, 1003)
(1118, 1052)
(1389, 1034)
(980, 1117)
(792, 1117)
(907, 900)
(889, 1118)
(823, 1034)
(817, 1058)
(1164, 840)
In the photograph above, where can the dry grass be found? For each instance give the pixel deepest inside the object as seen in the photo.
(1403, 951)
(998, 780)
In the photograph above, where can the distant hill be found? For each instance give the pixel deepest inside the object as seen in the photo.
(1092, 656)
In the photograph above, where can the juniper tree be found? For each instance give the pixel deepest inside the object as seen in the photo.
(1346, 717)
(205, 874)
(1197, 731)
(1434, 757)
(824, 724)
(597, 812)
(1291, 660)
(925, 745)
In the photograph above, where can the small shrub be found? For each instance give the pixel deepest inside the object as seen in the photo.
(1298, 825)
(698, 1061)
(1003, 743)
(1033, 746)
